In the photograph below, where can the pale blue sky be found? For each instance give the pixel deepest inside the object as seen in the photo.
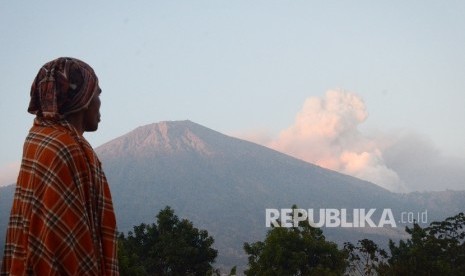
(238, 66)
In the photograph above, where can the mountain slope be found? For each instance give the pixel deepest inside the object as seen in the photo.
(223, 184)
(203, 169)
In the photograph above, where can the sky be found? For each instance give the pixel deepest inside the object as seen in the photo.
(374, 89)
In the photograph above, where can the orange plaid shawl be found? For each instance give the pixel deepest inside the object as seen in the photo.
(62, 220)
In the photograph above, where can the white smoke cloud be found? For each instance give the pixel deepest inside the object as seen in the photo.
(258, 136)
(9, 173)
(421, 164)
(325, 132)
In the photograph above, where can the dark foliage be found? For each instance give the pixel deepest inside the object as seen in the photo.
(300, 250)
(169, 247)
(435, 250)
(364, 258)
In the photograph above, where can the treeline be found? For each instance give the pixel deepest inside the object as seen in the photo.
(175, 247)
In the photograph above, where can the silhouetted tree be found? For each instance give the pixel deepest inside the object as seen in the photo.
(300, 250)
(365, 257)
(436, 250)
(169, 247)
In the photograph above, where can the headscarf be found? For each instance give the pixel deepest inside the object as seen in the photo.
(62, 86)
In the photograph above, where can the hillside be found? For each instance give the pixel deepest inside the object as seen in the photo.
(223, 184)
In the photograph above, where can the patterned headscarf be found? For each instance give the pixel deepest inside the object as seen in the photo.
(62, 86)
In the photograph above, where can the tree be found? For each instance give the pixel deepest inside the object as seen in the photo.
(365, 258)
(436, 250)
(300, 250)
(170, 247)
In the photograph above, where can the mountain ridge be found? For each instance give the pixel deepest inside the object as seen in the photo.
(224, 184)
(183, 135)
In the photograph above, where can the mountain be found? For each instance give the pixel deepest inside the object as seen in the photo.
(224, 185)
(6, 199)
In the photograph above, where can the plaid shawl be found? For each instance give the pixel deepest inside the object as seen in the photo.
(62, 220)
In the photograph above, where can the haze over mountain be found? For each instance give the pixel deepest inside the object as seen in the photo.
(224, 184)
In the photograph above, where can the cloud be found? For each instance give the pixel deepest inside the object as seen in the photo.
(9, 173)
(258, 136)
(422, 165)
(325, 132)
